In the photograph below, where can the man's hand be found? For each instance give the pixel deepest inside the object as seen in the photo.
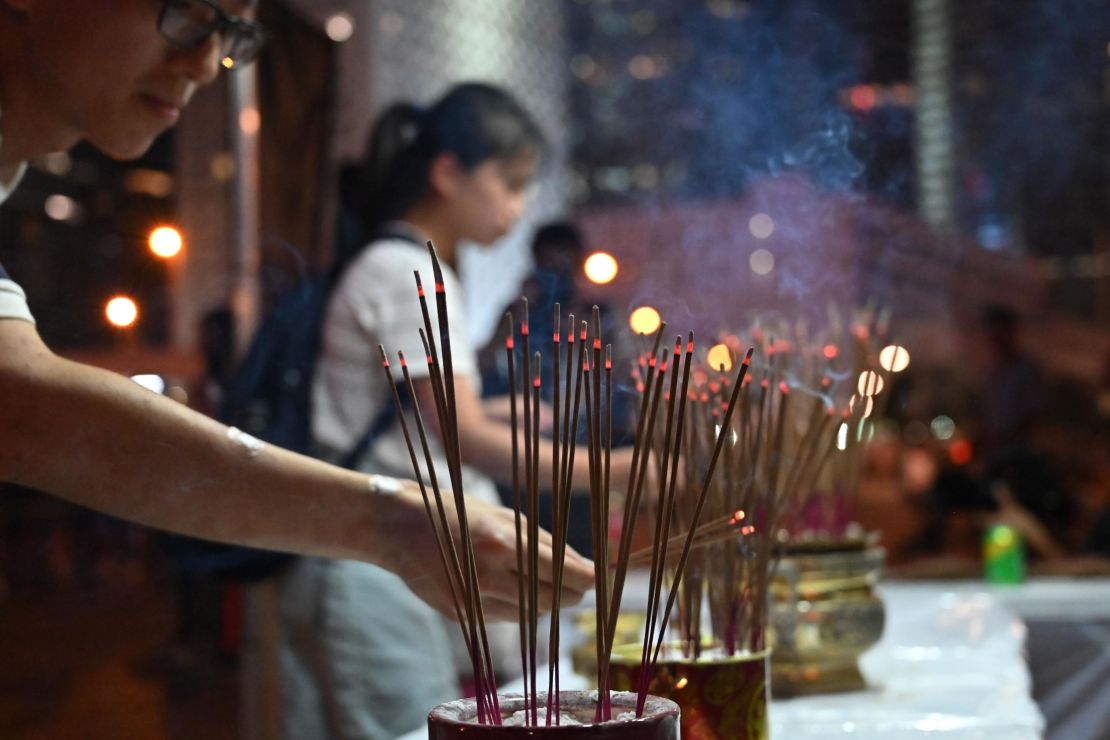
(414, 555)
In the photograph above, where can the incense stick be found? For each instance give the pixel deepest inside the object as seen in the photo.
(510, 356)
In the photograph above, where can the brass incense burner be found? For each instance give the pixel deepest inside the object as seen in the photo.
(824, 614)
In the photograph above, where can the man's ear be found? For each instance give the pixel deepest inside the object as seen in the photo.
(445, 175)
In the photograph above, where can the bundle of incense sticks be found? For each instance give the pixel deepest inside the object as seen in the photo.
(582, 390)
(794, 447)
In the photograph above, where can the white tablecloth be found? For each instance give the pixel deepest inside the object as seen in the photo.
(949, 665)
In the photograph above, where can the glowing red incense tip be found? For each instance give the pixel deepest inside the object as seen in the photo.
(747, 379)
(583, 331)
(570, 337)
(555, 337)
(509, 344)
(597, 342)
(704, 398)
(826, 382)
(430, 359)
(385, 362)
(714, 387)
(536, 382)
(748, 356)
(738, 516)
(690, 347)
(420, 290)
(639, 387)
(764, 384)
(440, 288)
(830, 351)
(401, 356)
(784, 388)
(523, 328)
(678, 346)
(608, 363)
(651, 362)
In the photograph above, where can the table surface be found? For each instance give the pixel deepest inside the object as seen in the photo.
(950, 664)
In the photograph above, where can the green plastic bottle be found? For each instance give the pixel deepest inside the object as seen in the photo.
(1003, 555)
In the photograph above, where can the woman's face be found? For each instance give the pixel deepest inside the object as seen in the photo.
(492, 196)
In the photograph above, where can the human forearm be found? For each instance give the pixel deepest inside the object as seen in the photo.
(99, 440)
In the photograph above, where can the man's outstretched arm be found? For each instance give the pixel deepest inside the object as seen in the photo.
(97, 439)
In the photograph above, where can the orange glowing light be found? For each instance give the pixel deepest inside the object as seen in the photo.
(228, 62)
(645, 320)
(121, 312)
(681, 683)
(601, 268)
(719, 356)
(165, 242)
(830, 351)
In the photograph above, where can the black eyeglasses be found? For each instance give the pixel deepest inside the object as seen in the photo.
(190, 23)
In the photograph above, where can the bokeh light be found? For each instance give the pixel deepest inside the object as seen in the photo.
(601, 268)
(894, 358)
(943, 427)
(165, 242)
(121, 312)
(719, 356)
(60, 207)
(645, 320)
(250, 121)
(870, 383)
(339, 27)
(868, 406)
(761, 225)
(762, 262)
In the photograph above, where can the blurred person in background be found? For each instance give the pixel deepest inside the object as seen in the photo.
(362, 658)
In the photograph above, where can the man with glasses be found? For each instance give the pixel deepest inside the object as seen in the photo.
(117, 73)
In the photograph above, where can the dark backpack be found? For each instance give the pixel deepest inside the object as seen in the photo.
(269, 397)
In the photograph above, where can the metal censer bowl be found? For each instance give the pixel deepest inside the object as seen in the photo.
(824, 615)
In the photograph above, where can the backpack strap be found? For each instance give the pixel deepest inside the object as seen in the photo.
(378, 425)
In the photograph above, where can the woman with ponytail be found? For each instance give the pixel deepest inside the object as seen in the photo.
(363, 658)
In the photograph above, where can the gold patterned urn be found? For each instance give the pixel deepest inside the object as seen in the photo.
(824, 614)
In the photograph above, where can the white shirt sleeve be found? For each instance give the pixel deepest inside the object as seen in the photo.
(13, 301)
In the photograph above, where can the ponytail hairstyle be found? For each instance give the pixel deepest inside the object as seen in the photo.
(473, 121)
